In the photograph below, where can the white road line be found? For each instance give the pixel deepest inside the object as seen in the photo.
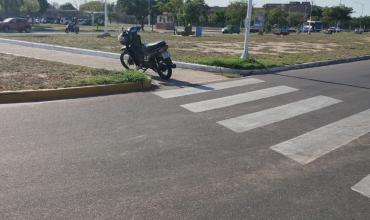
(238, 99)
(363, 187)
(206, 88)
(312, 145)
(280, 113)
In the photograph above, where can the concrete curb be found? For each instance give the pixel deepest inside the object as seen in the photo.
(192, 66)
(61, 48)
(69, 93)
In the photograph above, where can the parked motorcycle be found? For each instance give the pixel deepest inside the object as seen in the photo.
(71, 27)
(136, 55)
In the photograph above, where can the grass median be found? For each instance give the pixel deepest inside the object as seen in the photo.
(224, 50)
(21, 73)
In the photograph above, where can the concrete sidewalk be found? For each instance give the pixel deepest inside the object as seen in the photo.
(180, 76)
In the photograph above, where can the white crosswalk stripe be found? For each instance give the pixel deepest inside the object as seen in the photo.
(206, 88)
(277, 114)
(312, 145)
(303, 149)
(363, 187)
(238, 99)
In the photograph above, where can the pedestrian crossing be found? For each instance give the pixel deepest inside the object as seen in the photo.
(269, 116)
(207, 88)
(312, 145)
(363, 187)
(238, 99)
(303, 149)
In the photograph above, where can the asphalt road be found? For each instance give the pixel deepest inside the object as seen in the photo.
(300, 151)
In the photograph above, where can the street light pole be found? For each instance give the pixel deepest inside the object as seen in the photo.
(362, 11)
(149, 14)
(245, 54)
(105, 18)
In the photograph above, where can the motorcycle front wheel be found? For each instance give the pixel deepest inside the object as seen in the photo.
(127, 61)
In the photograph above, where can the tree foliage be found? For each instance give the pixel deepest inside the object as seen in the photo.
(276, 16)
(236, 12)
(11, 7)
(67, 6)
(195, 12)
(43, 5)
(30, 6)
(217, 18)
(333, 15)
(137, 8)
(92, 6)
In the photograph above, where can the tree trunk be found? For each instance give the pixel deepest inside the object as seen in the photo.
(142, 23)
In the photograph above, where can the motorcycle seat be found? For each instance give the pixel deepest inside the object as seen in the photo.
(155, 45)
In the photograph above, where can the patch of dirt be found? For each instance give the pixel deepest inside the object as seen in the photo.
(268, 48)
(19, 73)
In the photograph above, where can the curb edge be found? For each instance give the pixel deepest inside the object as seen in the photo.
(71, 93)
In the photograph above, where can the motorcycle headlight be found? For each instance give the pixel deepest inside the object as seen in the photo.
(120, 37)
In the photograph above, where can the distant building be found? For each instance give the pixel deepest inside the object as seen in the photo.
(165, 21)
(303, 7)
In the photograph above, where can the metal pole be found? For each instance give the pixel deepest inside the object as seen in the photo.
(245, 54)
(310, 23)
(105, 18)
(149, 14)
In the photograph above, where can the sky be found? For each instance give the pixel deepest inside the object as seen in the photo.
(357, 5)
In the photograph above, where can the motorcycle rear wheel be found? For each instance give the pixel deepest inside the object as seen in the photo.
(165, 74)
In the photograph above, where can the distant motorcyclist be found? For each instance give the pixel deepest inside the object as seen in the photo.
(73, 26)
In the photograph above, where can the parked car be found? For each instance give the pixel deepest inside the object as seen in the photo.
(36, 20)
(1, 19)
(293, 30)
(359, 30)
(231, 29)
(47, 20)
(15, 24)
(85, 21)
(65, 21)
(335, 29)
(255, 29)
(280, 31)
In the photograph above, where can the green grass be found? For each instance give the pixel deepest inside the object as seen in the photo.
(236, 63)
(112, 78)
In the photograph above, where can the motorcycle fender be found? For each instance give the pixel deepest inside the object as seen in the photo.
(169, 63)
(123, 48)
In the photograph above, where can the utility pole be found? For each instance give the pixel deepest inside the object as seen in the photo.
(245, 54)
(362, 11)
(310, 23)
(149, 13)
(105, 18)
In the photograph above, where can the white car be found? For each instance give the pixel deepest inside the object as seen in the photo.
(334, 29)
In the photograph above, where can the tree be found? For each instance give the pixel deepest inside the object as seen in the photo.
(195, 11)
(276, 16)
(295, 19)
(11, 7)
(336, 15)
(217, 18)
(137, 8)
(92, 6)
(44, 5)
(236, 12)
(175, 7)
(67, 6)
(30, 6)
